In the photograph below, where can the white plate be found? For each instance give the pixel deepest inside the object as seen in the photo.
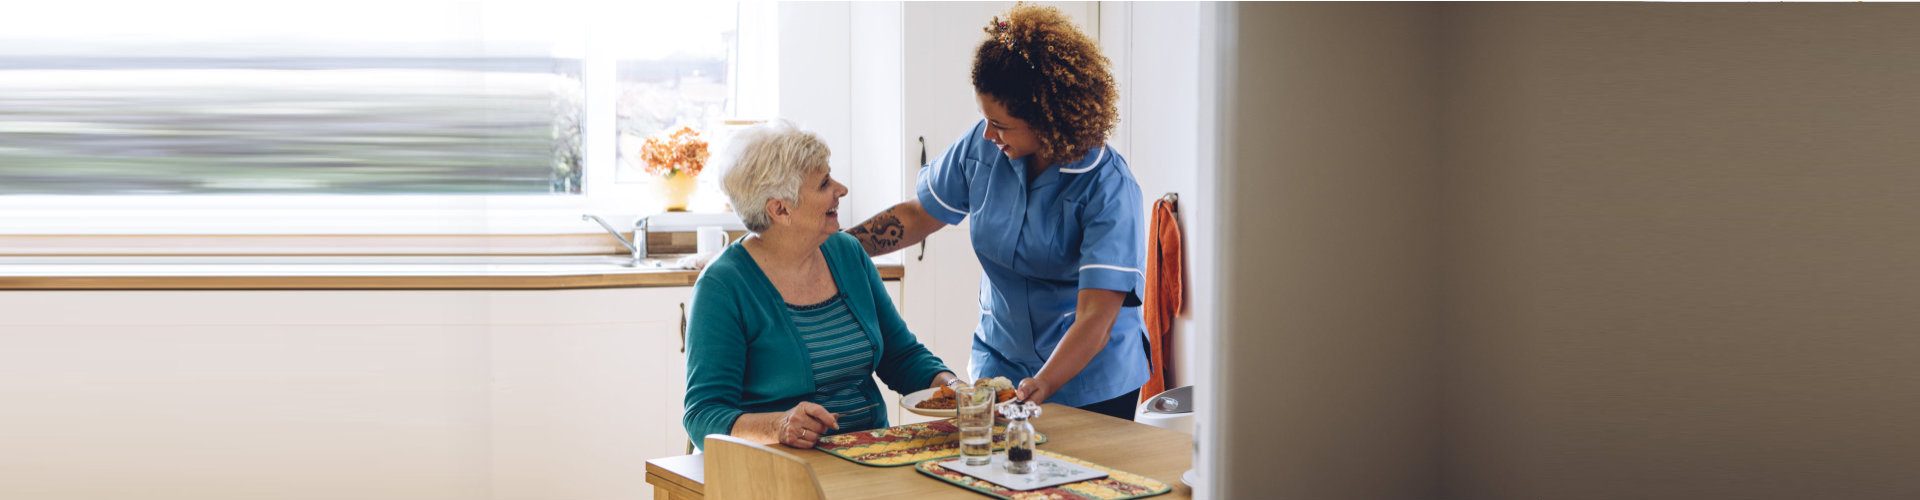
(907, 402)
(1189, 477)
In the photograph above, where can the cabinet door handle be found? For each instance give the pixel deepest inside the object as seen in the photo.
(923, 165)
(683, 350)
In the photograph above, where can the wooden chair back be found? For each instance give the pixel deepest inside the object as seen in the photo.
(739, 469)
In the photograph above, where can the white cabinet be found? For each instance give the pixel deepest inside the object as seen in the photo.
(586, 386)
(895, 415)
(421, 395)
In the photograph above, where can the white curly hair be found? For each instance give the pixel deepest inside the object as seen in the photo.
(768, 162)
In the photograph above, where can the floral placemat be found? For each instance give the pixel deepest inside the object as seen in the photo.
(906, 444)
(1118, 485)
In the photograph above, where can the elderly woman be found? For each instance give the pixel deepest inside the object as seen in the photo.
(790, 325)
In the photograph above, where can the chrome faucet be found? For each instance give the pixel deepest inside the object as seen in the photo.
(637, 247)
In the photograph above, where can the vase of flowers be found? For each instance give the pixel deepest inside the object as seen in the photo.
(676, 155)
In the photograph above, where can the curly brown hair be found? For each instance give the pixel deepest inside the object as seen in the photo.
(1050, 75)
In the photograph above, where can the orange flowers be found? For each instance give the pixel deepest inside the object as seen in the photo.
(675, 152)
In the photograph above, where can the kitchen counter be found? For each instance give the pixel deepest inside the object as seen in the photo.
(343, 273)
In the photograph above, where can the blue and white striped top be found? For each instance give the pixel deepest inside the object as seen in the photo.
(842, 359)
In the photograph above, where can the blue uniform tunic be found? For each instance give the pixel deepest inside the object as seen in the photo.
(1078, 225)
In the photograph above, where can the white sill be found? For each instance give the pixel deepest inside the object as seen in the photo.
(335, 215)
(307, 222)
(362, 232)
(439, 265)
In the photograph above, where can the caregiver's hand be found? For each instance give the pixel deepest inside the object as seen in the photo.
(1094, 315)
(802, 426)
(1034, 390)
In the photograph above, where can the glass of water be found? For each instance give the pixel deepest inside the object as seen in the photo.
(974, 406)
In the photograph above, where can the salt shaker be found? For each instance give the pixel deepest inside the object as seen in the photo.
(1020, 435)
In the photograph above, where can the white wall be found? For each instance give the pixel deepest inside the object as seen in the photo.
(758, 63)
(1155, 49)
(877, 50)
(816, 81)
(841, 77)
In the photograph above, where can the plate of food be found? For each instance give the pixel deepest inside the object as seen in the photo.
(938, 401)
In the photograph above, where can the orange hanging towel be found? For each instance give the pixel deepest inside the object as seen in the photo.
(1164, 289)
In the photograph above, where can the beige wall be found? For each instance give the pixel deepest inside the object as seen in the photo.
(1682, 251)
(1651, 251)
(1329, 268)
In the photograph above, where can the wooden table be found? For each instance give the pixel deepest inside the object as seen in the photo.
(1121, 444)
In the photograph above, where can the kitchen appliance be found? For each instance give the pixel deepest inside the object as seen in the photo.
(1172, 409)
(1168, 410)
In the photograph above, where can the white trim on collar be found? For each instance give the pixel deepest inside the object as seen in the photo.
(1090, 166)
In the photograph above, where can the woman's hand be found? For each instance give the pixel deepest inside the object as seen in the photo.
(1092, 324)
(945, 379)
(802, 426)
(1034, 390)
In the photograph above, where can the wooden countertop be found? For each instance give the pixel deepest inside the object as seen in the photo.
(1134, 447)
(316, 262)
(350, 278)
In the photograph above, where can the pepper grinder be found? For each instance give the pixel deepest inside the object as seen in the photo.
(1019, 435)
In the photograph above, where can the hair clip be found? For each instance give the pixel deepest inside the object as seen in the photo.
(999, 30)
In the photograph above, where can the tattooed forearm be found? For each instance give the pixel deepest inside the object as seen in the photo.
(881, 234)
(866, 237)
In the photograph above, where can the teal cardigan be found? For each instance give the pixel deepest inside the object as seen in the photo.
(744, 354)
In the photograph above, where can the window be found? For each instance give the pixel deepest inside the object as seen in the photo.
(241, 116)
(672, 70)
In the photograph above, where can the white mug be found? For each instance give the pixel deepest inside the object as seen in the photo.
(711, 239)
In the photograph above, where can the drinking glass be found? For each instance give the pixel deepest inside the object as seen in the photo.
(974, 406)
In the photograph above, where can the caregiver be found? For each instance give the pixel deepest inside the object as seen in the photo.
(1057, 218)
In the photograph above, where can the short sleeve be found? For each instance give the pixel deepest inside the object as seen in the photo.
(944, 185)
(1113, 243)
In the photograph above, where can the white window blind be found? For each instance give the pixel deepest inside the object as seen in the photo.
(347, 116)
